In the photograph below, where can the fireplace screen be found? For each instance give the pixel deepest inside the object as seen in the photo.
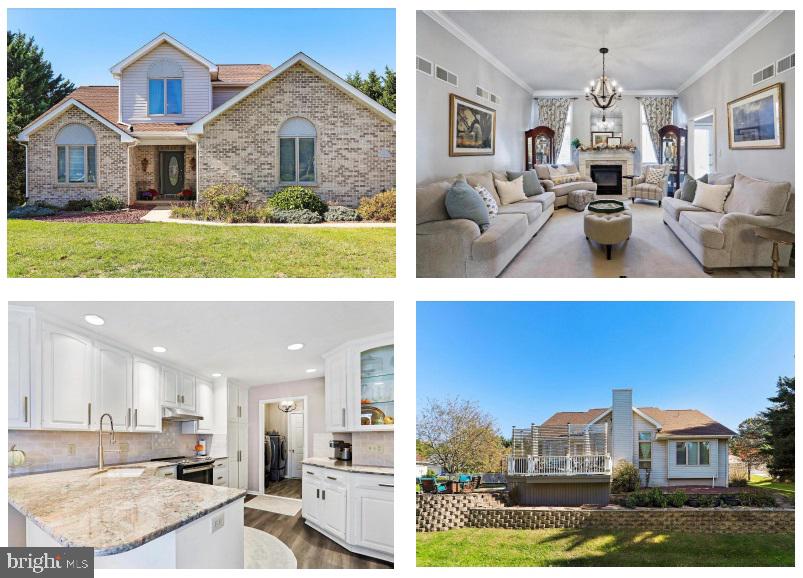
(608, 179)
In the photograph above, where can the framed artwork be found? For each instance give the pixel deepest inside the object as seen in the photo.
(614, 141)
(472, 128)
(600, 137)
(755, 121)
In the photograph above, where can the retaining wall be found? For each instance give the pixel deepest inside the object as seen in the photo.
(438, 512)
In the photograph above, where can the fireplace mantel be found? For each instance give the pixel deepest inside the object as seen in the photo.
(608, 157)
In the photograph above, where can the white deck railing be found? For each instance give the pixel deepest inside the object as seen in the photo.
(559, 465)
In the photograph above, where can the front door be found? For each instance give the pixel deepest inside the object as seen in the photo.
(172, 172)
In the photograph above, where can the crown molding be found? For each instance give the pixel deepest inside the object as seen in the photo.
(579, 93)
(463, 36)
(743, 37)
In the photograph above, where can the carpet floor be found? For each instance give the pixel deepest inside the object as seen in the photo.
(560, 249)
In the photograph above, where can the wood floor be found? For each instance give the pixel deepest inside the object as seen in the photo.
(311, 548)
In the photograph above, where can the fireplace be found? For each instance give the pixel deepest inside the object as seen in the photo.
(608, 179)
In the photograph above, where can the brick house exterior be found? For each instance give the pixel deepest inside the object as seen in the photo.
(226, 130)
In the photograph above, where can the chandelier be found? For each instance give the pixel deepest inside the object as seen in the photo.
(287, 406)
(603, 93)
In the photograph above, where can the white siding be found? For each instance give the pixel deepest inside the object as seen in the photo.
(659, 457)
(622, 425)
(697, 472)
(723, 478)
(642, 425)
(197, 88)
(221, 94)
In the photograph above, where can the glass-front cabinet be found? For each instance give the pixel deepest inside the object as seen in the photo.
(376, 386)
(673, 152)
(539, 146)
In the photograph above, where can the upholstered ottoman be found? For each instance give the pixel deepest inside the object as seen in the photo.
(608, 228)
(579, 199)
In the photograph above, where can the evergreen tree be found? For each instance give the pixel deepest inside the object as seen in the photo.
(781, 435)
(382, 89)
(388, 98)
(32, 89)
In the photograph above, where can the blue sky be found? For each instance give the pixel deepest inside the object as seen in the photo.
(525, 361)
(342, 40)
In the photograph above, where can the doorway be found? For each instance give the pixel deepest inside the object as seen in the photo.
(295, 443)
(703, 144)
(171, 173)
(284, 442)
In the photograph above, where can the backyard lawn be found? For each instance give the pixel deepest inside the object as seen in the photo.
(766, 482)
(54, 249)
(497, 547)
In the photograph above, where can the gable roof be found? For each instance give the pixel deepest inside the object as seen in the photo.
(300, 58)
(671, 422)
(164, 37)
(240, 74)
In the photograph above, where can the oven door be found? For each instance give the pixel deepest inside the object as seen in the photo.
(200, 474)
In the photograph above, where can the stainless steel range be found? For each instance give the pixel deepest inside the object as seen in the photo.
(192, 469)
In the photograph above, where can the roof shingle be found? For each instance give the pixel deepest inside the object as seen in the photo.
(690, 422)
(240, 73)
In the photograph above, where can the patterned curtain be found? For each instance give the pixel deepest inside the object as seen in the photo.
(658, 112)
(552, 113)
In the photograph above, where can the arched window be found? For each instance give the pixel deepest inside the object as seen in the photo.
(297, 151)
(75, 154)
(165, 88)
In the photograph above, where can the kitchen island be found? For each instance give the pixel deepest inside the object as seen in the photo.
(131, 516)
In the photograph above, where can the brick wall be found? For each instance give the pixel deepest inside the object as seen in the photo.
(241, 145)
(438, 512)
(111, 155)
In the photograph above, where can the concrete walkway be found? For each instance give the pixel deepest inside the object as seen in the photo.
(163, 216)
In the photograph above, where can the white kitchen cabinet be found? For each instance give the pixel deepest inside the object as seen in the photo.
(113, 386)
(311, 483)
(220, 472)
(237, 446)
(186, 392)
(167, 472)
(146, 404)
(237, 402)
(66, 379)
(371, 512)
(205, 407)
(21, 328)
(169, 386)
(334, 505)
(335, 376)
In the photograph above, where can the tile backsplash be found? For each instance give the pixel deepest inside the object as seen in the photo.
(372, 448)
(58, 450)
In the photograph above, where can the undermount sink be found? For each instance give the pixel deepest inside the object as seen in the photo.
(120, 473)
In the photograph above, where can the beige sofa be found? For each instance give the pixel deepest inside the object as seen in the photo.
(562, 191)
(728, 239)
(456, 247)
(643, 190)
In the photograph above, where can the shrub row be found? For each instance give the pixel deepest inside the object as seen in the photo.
(655, 498)
(43, 209)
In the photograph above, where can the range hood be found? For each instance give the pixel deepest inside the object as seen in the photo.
(176, 414)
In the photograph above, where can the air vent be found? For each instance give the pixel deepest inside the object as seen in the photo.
(446, 76)
(423, 65)
(494, 99)
(763, 74)
(785, 63)
(482, 93)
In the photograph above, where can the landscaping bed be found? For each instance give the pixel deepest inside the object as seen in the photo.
(130, 216)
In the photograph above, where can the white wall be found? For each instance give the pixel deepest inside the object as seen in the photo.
(731, 79)
(432, 107)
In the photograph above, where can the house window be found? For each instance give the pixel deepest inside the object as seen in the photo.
(647, 148)
(165, 88)
(645, 450)
(297, 151)
(76, 155)
(693, 453)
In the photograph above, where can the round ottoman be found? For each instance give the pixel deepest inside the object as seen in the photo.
(608, 228)
(578, 200)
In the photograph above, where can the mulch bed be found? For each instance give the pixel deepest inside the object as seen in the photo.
(129, 216)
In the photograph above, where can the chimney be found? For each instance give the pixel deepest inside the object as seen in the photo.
(622, 417)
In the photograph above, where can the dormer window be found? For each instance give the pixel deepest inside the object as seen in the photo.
(165, 88)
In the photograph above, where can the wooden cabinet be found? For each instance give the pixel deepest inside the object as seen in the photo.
(113, 386)
(169, 386)
(673, 152)
(66, 379)
(146, 405)
(186, 392)
(539, 147)
(336, 396)
(21, 327)
(371, 512)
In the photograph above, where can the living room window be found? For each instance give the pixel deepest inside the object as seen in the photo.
(75, 155)
(565, 152)
(645, 450)
(297, 151)
(647, 148)
(693, 453)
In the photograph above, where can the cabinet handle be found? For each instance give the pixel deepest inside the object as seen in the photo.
(310, 473)
(128, 418)
(220, 477)
(136, 417)
(331, 478)
(323, 494)
(343, 418)
(317, 492)
(89, 413)
(385, 485)
(25, 408)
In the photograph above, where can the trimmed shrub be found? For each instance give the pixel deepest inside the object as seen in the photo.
(380, 207)
(297, 217)
(225, 197)
(297, 198)
(738, 482)
(106, 203)
(28, 211)
(707, 501)
(631, 501)
(757, 499)
(337, 213)
(625, 477)
(78, 205)
(677, 499)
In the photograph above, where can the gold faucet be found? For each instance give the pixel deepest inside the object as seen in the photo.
(101, 464)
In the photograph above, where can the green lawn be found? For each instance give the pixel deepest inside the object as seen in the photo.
(767, 483)
(496, 547)
(47, 249)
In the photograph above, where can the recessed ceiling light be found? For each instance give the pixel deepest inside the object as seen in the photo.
(295, 346)
(311, 370)
(93, 319)
(217, 374)
(159, 349)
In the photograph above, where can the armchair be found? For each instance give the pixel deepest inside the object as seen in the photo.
(643, 190)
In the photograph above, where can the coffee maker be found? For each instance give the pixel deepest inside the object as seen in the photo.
(341, 450)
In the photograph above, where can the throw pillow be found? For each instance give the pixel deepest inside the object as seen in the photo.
(687, 189)
(490, 202)
(532, 186)
(721, 179)
(654, 175)
(464, 202)
(511, 191)
(757, 197)
(711, 197)
(703, 179)
(567, 178)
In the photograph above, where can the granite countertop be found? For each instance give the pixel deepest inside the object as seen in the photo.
(347, 466)
(113, 515)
